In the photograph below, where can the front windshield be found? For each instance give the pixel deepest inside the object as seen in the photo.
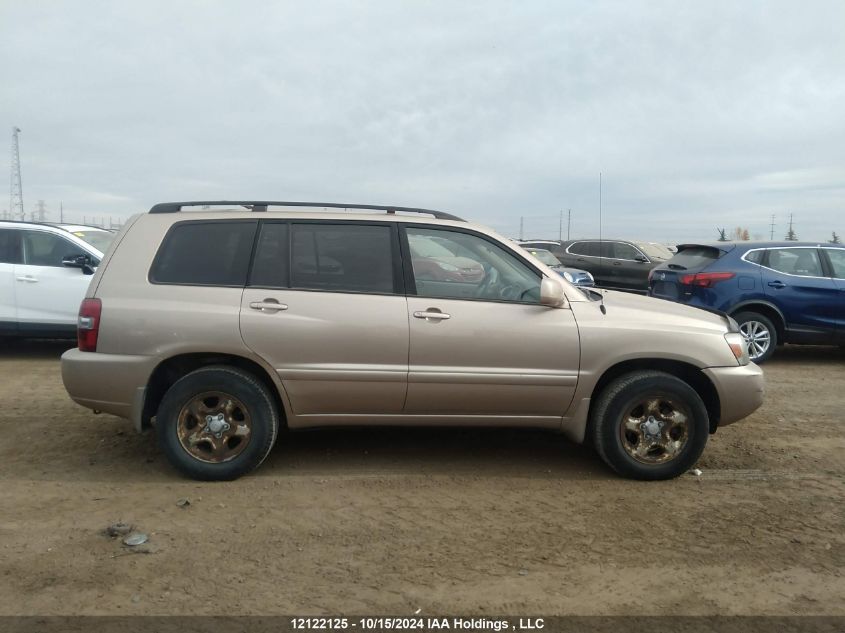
(655, 250)
(98, 239)
(545, 256)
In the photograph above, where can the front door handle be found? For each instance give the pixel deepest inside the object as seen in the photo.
(433, 314)
(777, 284)
(268, 305)
(28, 279)
(617, 263)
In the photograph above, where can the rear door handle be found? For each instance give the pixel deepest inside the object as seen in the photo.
(777, 284)
(435, 315)
(28, 278)
(617, 263)
(268, 305)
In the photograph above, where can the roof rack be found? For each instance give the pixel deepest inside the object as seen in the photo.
(261, 205)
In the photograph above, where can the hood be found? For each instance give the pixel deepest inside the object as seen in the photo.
(640, 309)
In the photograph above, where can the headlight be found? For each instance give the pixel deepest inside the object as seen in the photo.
(589, 276)
(568, 276)
(738, 346)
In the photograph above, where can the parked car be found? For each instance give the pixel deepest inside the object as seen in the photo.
(615, 264)
(572, 275)
(209, 325)
(778, 292)
(44, 273)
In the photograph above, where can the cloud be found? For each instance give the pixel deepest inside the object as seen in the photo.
(697, 114)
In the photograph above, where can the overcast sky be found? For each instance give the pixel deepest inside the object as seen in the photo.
(698, 114)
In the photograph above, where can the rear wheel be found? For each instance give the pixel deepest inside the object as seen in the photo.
(649, 425)
(759, 333)
(217, 423)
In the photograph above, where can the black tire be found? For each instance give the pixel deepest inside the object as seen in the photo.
(746, 321)
(255, 405)
(620, 397)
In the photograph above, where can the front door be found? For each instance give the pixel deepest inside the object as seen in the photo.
(325, 307)
(48, 293)
(481, 345)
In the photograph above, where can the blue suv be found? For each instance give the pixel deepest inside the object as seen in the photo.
(778, 292)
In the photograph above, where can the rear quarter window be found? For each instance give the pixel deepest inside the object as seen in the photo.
(205, 253)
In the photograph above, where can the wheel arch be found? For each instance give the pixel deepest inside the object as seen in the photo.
(687, 372)
(767, 309)
(168, 371)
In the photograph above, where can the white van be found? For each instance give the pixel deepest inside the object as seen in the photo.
(44, 273)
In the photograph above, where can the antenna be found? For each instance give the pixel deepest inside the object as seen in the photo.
(601, 249)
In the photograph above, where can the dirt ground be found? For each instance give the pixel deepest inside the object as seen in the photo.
(391, 521)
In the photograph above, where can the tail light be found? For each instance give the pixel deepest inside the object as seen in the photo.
(705, 280)
(88, 325)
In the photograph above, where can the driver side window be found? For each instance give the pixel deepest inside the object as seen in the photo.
(455, 265)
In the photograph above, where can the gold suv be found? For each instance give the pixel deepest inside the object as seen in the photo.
(219, 326)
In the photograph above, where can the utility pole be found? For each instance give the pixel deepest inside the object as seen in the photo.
(40, 212)
(521, 227)
(61, 212)
(560, 227)
(15, 187)
(568, 223)
(772, 233)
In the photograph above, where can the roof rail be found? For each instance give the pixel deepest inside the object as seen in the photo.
(261, 205)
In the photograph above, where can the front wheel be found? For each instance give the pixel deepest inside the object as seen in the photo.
(649, 425)
(217, 423)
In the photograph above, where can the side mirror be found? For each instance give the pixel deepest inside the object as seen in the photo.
(642, 259)
(85, 262)
(551, 293)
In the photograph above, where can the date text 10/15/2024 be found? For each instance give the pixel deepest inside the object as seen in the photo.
(415, 624)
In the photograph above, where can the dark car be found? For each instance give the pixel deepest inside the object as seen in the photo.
(616, 264)
(572, 275)
(778, 292)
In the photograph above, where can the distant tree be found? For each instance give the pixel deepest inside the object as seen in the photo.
(722, 236)
(835, 239)
(745, 236)
(791, 236)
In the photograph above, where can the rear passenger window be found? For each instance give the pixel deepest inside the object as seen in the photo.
(270, 268)
(342, 257)
(755, 257)
(803, 262)
(205, 253)
(10, 246)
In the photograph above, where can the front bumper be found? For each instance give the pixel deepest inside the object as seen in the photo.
(740, 389)
(112, 383)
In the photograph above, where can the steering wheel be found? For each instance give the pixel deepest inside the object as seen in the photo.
(490, 280)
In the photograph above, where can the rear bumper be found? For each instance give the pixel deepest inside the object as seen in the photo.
(112, 383)
(740, 389)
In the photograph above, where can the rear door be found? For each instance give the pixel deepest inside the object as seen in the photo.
(591, 256)
(836, 259)
(10, 255)
(794, 279)
(325, 306)
(48, 292)
(484, 348)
